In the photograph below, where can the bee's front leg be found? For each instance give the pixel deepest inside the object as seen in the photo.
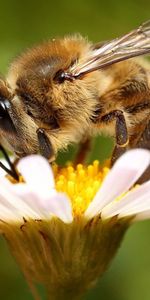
(144, 142)
(12, 171)
(121, 132)
(45, 145)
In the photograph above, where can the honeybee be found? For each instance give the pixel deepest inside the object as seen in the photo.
(66, 89)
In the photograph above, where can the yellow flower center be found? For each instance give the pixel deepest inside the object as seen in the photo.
(80, 183)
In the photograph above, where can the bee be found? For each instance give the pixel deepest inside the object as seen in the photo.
(67, 89)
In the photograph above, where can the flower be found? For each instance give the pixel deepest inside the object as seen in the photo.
(64, 232)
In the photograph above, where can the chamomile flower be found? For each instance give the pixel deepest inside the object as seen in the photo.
(64, 225)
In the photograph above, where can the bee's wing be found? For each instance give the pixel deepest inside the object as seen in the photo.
(135, 43)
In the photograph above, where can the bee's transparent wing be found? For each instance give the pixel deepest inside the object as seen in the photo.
(135, 43)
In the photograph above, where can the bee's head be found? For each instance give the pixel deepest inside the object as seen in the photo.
(44, 95)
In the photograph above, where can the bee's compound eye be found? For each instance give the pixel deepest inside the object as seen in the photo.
(3, 109)
(6, 122)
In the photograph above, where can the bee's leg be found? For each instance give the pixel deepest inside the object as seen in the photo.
(45, 145)
(121, 133)
(12, 171)
(144, 142)
(83, 150)
(117, 152)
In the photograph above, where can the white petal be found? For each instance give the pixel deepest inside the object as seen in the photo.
(2, 172)
(142, 216)
(30, 198)
(134, 202)
(36, 198)
(11, 201)
(7, 214)
(128, 168)
(37, 174)
(57, 204)
(60, 206)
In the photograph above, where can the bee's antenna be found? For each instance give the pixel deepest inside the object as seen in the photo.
(12, 171)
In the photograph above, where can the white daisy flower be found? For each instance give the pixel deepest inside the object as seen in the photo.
(63, 232)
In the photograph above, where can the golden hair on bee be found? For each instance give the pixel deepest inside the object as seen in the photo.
(66, 90)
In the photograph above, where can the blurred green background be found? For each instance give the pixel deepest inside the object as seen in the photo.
(25, 23)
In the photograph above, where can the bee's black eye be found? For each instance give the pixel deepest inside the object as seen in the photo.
(61, 76)
(6, 122)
